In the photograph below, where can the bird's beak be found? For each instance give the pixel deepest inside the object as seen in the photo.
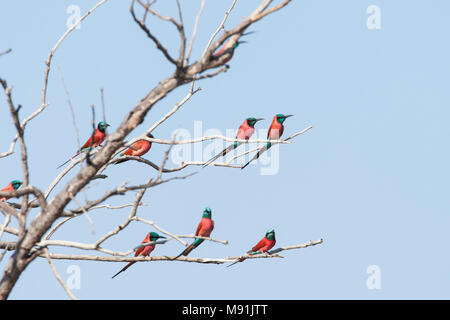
(162, 237)
(107, 125)
(242, 42)
(259, 119)
(289, 115)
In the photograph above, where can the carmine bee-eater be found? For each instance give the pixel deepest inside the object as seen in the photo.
(143, 251)
(14, 185)
(245, 131)
(275, 131)
(228, 47)
(264, 245)
(204, 229)
(98, 138)
(139, 148)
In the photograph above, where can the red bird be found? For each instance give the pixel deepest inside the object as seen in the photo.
(245, 131)
(264, 245)
(276, 130)
(229, 47)
(99, 137)
(139, 148)
(143, 251)
(14, 185)
(204, 229)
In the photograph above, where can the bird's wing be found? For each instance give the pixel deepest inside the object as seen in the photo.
(200, 225)
(259, 245)
(87, 144)
(138, 251)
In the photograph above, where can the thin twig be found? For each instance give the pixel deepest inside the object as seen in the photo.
(194, 33)
(57, 276)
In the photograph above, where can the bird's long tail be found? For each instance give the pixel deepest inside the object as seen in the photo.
(260, 152)
(188, 250)
(238, 260)
(250, 252)
(221, 154)
(69, 160)
(124, 268)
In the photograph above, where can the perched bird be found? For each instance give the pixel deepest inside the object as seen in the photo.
(228, 47)
(98, 138)
(139, 148)
(264, 245)
(275, 131)
(14, 185)
(245, 131)
(204, 229)
(143, 251)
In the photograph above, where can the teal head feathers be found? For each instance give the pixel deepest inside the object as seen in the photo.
(282, 117)
(270, 234)
(154, 236)
(16, 184)
(251, 121)
(102, 126)
(207, 213)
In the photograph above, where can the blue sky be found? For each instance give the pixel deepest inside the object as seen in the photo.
(370, 178)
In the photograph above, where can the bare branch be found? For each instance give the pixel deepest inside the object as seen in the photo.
(85, 213)
(57, 276)
(194, 33)
(49, 60)
(221, 26)
(182, 259)
(150, 35)
(161, 230)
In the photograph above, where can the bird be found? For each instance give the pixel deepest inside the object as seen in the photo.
(143, 251)
(245, 131)
(139, 148)
(99, 137)
(274, 133)
(228, 47)
(13, 185)
(204, 229)
(264, 245)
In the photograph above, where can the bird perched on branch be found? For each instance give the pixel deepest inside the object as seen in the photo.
(204, 229)
(139, 148)
(276, 129)
(264, 245)
(13, 185)
(245, 131)
(229, 47)
(143, 251)
(93, 141)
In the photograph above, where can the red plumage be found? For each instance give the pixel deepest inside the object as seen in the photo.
(263, 245)
(245, 131)
(142, 251)
(139, 148)
(9, 187)
(276, 129)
